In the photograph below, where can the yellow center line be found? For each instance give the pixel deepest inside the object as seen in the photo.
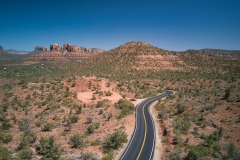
(145, 132)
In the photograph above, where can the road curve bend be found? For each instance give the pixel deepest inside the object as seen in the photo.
(142, 143)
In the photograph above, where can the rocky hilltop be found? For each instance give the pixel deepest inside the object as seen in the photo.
(62, 53)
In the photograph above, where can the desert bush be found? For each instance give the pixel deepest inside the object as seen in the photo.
(88, 156)
(126, 107)
(4, 153)
(89, 120)
(6, 125)
(24, 124)
(108, 93)
(116, 139)
(25, 154)
(48, 148)
(163, 114)
(193, 155)
(74, 118)
(79, 109)
(90, 128)
(5, 137)
(96, 142)
(100, 104)
(100, 111)
(232, 152)
(175, 155)
(48, 126)
(94, 97)
(228, 93)
(180, 108)
(77, 141)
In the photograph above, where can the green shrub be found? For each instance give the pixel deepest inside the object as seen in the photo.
(99, 104)
(192, 155)
(180, 108)
(24, 124)
(126, 107)
(232, 152)
(48, 148)
(90, 128)
(96, 142)
(4, 153)
(74, 118)
(88, 156)
(5, 137)
(77, 141)
(47, 127)
(25, 154)
(116, 139)
(163, 114)
(89, 120)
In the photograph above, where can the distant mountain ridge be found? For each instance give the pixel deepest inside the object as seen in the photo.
(217, 52)
(13, 51)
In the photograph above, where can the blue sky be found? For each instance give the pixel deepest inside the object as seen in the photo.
(170, 24)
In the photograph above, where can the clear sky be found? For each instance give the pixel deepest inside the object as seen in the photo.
(169, 24)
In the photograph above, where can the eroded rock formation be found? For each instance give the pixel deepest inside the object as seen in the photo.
(71, 48)
(55, 47)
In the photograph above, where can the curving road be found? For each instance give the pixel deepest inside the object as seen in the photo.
(142, 143)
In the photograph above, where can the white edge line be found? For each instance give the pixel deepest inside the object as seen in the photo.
(132, 136)
(136, 129)
(153, 146)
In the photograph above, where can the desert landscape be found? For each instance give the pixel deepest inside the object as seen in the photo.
(76, 107)
(119, 80)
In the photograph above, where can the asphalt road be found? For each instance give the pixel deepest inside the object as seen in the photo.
(142, 143)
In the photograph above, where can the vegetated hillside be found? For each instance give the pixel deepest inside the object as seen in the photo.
(132, 59)
(136, 60)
